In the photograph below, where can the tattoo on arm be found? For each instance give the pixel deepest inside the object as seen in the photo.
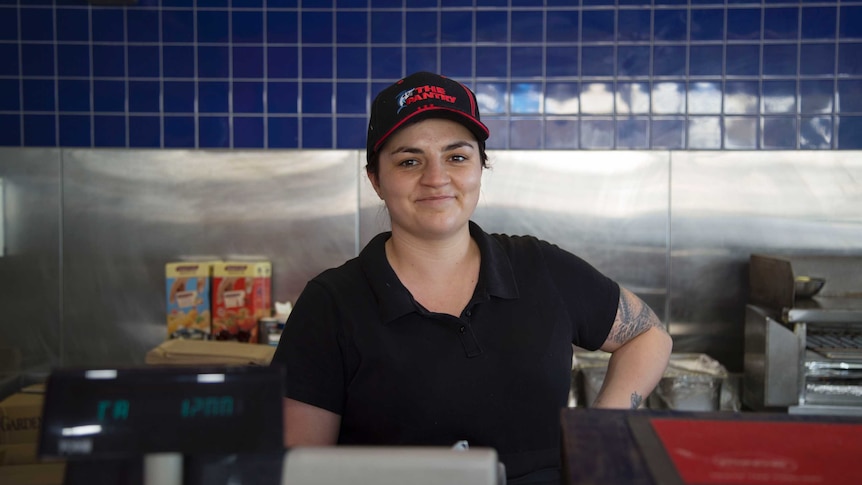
(633, 318)
(636, 400)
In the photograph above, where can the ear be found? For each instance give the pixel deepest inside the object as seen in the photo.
(375, 182)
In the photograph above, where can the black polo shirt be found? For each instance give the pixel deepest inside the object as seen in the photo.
(359, 345)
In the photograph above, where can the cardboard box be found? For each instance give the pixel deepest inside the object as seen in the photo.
(193, 352)
(37, 388)
(188, 300)
(38, 474)
(20, 454)
(21, 418)
(242, 294)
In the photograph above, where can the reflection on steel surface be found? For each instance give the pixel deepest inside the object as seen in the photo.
(126, 213)
(88, 231)
(2, 221)
(727, 205)
(30, 269)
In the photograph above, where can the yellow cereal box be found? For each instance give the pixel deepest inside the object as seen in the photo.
(242, 294)
(188, 299)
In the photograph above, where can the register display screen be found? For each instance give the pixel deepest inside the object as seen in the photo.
(104, 413)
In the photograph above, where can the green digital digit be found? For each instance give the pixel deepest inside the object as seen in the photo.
(103, 409)
(186, 409)
(225, 406)
(207, 407)
(118, 410)
(121, 409)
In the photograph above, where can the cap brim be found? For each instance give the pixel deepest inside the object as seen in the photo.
(479, 130)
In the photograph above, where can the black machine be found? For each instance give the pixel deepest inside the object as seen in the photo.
(125, 425)
(216, 426)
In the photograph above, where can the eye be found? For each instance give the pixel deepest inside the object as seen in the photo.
(458, 158)
(412, 162)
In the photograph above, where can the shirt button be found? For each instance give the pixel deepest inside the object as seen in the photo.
(462, 329)
(467, 313)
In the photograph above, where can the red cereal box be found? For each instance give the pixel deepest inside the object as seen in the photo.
(242, 294)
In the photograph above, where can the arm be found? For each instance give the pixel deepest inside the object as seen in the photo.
(307, 425)
(641, 349)
(310, 354)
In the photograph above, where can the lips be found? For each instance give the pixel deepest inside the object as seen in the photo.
(436, 198)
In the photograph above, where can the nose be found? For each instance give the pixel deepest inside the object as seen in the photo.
(435, 173)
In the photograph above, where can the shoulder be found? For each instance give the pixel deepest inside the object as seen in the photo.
(532, 250)
(566, 269)
(337, 288)
(348, 273)
(354, 271)
(500, 243)
(520, 244)
(359, 277)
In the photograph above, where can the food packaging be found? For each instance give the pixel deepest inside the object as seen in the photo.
(188, 300)
(269, 331)
(588, 375)
(691, 382)
(21, 418)
(242, 295)
(271, 328)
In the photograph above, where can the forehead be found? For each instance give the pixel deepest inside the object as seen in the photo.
(429, 132)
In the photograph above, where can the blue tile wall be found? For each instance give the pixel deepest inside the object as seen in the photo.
(549, 74)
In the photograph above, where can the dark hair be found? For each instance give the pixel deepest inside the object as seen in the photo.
(373, 165)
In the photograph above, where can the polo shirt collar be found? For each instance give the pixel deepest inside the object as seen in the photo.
(496, 276)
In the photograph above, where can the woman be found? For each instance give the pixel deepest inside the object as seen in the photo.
(439, 332)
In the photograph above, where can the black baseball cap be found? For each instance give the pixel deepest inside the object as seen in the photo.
(421, 96)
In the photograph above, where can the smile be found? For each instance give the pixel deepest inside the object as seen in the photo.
(436, 198)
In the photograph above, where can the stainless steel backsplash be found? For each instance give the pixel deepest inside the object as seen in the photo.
(87, 232)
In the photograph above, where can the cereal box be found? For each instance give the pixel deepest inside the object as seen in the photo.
(242, 294)
(188, 298)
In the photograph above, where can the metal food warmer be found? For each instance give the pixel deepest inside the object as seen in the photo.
(803, 334)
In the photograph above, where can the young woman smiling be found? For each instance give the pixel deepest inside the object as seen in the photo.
(440, 332)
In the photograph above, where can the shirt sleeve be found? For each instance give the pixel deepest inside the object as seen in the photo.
(310, 351)
(590, 297)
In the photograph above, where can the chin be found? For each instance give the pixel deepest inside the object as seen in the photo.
(444, 230)
(435, 229)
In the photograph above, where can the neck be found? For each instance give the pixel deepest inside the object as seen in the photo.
(430, 258)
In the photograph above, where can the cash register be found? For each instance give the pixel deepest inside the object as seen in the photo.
(196, 425)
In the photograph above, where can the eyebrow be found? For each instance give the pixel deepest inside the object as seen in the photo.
(452, 146)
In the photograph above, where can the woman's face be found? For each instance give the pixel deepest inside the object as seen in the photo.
(429, 176)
